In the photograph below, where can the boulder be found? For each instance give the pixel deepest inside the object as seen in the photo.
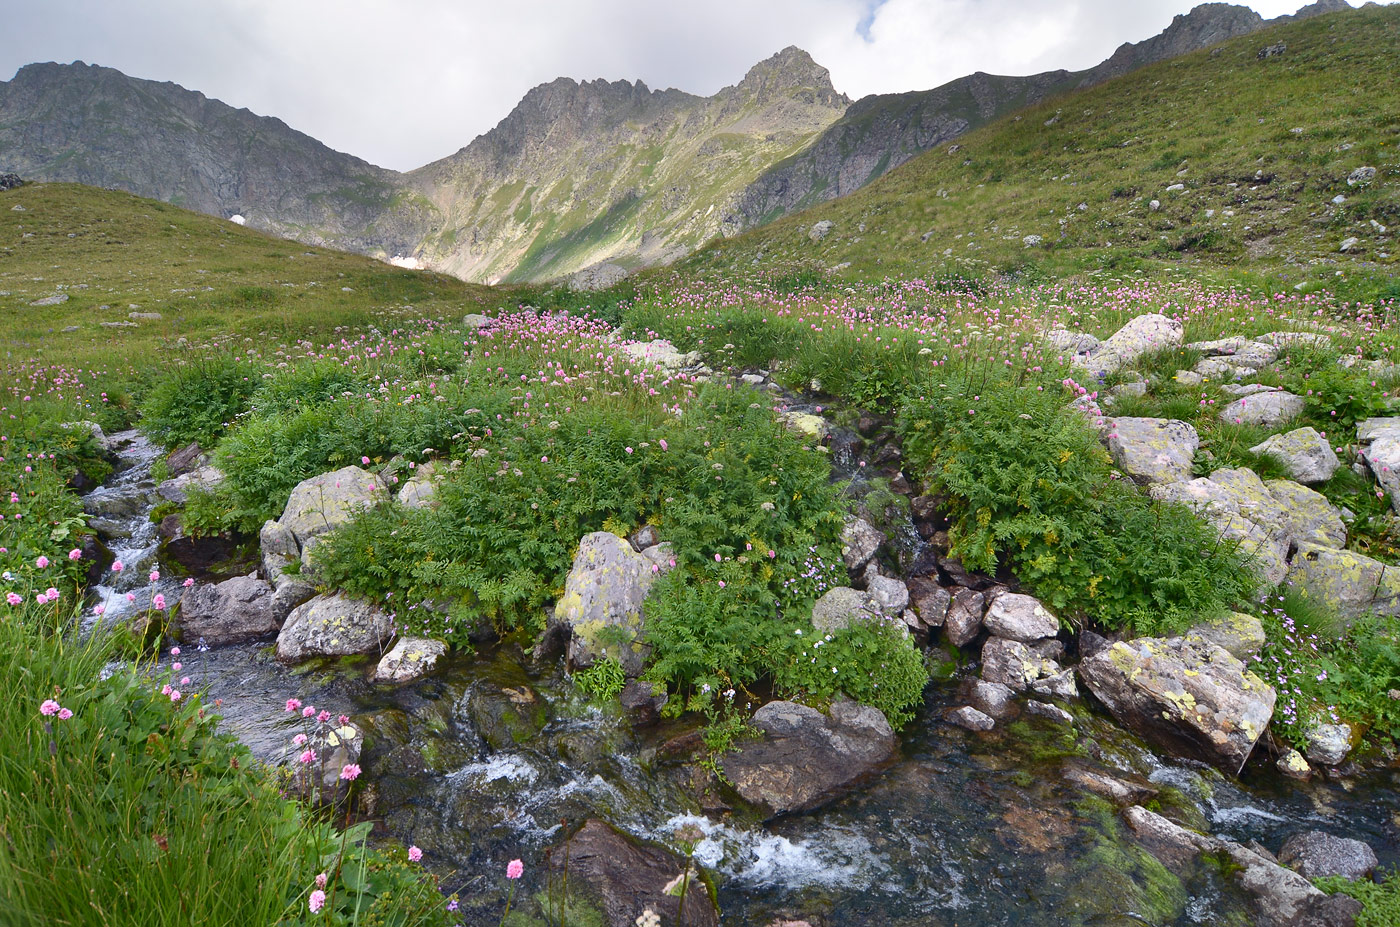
(182, 460)
(1303, 452)
(820, 230)
(1153, 450)
(1191, 697)
(327, 501)
(964, 619)
(602, 601)
(805, 423)
(1057, 685)
(1328, 744)
(1306, 515)
(1348, 583)
(929, 600)
(860, 541)
(1269, 409)
(992, 699)
(409, 659)
(1062, 341)
(970, 719)
(1048, 712)
(841, 607)
(643, 701)
(288, 591)
(622, 878)
(1142, 335)
(177, 490)
(1021, 618)
(279, 548)
(1380, 448)
(1317, 855)
(1014, 664)
(235, 610)
(805, 758)
(333, 625)
(335, 749)
(475, 322)
(1293, 765)
(890, 595)
(662, 353)
(420, 491)
(1241, 634)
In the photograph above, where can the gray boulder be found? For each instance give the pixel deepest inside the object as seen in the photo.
(970, 719)
(820, 230)
(1014, 664)
(602, 601)
(1153, 450)
(964, 619)
(662, 353)
(325, 502)
(1057, 685)
(1048, 712)
(420, 491)
(1063, 341)
(805, 758)
(236, 610)
(1304, 453)
(890, 595)
(1380, 448)
(279, 548)
(1142, 335)
(1241, 634)
(1269, 409)
(1317, 855)
(1328, 744)
(992, 699)
(409, 659)
(1189, 696)
(177, 490)
(475, 322)
(1348, 583)
(288, 591)
(841, 607)
(860, 541)
(929, 600)
(333, 625)
(1021, 618)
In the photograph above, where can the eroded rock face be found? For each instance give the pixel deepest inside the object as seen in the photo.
(1189, 696)
(602, 601)
(623, 877)
(1305, 454)
(236, 610)
(410, 658)
(1153, 450)
(806, 758)
(328, 501)
(333, 625)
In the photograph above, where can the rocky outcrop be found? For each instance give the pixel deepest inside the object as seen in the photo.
(602, 600)
(1348, 583)
(623, 878)
(1240, 634)
(1142, 335)
(805, 758)
(236, 610)
(333, 625)
(1187, 695)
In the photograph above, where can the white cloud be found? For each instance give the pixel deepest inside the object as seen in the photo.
(402, 82)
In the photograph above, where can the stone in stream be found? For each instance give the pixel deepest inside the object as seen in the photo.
(333, 625)
(805, 758)
(1153, 450)
(1189, 696)
(993, 699)
(621, 878)
(236, 610)
(929, 600)
(1304, 453)
(177, 490)
(1021, 618)
(325, 502)
(963, 621)
(1120, 788)
(971, 719)
(1014, 664)
(185, 459)
(860, 541)
(602, 601)
(1316, 855)
(1328, 744)
(410, 658)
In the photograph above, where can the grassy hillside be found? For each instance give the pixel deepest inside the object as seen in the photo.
(112, 254)
(1260, 147)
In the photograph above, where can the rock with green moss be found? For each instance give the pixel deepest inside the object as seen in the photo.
(1347, 583)
(333, 625)
(602, 601)
(1304, 453)
(1189, 696)
(1153, 450)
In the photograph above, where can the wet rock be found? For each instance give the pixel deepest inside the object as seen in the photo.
(289, 591)
(643, 701)
(890, 595)
(964, 618)
(1348, 583)
(644, 537)
(805, 423)
(1242, 635)
(602, 601)
(233, 611)
(623, 878)
(1268, 409)
(410, 658)
(327, 501)
(1328, 744)
(332, 625)
(860, 541)
(929, 600)
(1294, 766)
(338, 747)
(1316, 855)
(185, 459)
(278, 546)
(1191, 697)
(1021, 618)
(1057, 685)
(842, 606)
(1048, 712)
(992, 699)
(1304, 453)
(1142, 335)
(805, 758)
(1013, 664)
(970, 719)
(1120, 788)
(1153, 450)
(177, 490)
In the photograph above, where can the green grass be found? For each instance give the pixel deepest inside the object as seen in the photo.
(1218, 121)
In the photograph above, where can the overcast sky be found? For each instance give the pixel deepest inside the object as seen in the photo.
(404, 82)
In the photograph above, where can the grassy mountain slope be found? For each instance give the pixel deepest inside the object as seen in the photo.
(1261, 146)
(113, 254)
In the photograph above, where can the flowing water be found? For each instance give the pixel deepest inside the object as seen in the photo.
(492, 757)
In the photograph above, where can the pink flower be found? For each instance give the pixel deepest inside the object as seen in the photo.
(184, 680)
(299, 740)
(629, 450)
(174, 651)
(42, 563)
(49, 707)
(52, 593)
(189, 583)
(165, 689)
(320, 880)
(117, 566)
(159, 602)
(344, 719)
(293, 704)
(414, 854)
(515, 869)
(14, 598)
(176, 666)
(155, 575)
(64, 714)
(350, 772)
(664, 445)
(718, 558)
(75, 554)
(99, 610)
(364, 460)
(308, 711)
(174, 695)
(323, 716)
(41, 599)
(307, 757)
(317, 901)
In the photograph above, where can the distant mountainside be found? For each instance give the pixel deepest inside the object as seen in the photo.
(577, 175)
(880, 132)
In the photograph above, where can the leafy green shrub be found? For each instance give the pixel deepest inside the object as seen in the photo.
(1381, 900)
(42, 518)
(873, 662)
(602, 681)
(308, 383)
(1336, 398)
(1030, 486)
(198, 402)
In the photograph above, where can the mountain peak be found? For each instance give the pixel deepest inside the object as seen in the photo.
(791, 72)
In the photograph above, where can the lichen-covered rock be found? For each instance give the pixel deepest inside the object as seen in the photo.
(805, 423)
(1262, 547)
(1306, 515)
(1317, 855)
(1014, 664)
(1237, 632)
(1153, 450)
(1305, 454)
(1293, 765)
(1142, 335)
(602, 601)
(333, 625)
(1190, 696)
(235, 610)
(805, 758)
(1057, 685)
(327, 501)
(1063, 341)
(409, 659)
(663, 354)
(1348, 583)
(1021, 618)
(860, 541)
(1328, 744)
(1269, 409)
(1380, 447)
(842, 606)
(177, 490)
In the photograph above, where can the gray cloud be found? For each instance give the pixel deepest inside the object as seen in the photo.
(402, 83)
